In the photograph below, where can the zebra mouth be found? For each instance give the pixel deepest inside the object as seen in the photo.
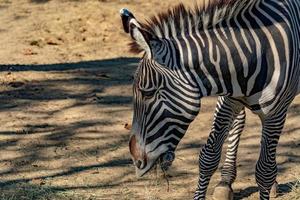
(164, 161)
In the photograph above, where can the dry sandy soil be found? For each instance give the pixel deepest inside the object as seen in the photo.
(65, 95)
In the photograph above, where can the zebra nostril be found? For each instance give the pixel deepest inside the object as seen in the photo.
(138, 164)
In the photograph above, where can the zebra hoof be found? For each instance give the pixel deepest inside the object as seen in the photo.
(274, 190)
(223, 192)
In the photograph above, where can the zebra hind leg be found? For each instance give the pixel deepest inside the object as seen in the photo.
(266, 166)
(223, 191)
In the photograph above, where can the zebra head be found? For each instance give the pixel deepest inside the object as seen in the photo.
(165, 103)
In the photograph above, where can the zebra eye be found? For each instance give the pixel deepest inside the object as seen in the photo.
(148, 93)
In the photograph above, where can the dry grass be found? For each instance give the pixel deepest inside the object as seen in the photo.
(26, 191)
(36, 192)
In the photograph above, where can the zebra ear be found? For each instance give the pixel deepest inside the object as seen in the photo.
(146, 42)
(143, 40)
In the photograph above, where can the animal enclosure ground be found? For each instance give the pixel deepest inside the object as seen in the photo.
(65, 95)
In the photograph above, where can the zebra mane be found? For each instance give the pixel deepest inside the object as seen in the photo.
(205, 15)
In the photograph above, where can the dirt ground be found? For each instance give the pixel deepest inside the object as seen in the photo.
(65, 95)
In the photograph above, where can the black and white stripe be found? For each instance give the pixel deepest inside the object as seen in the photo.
(247, 51)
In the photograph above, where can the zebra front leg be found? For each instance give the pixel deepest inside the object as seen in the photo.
(223, 190)
(266, 166)
(210, 155)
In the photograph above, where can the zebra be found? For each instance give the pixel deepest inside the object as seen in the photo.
(247, 52)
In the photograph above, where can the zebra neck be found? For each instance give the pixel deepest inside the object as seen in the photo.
(227, 57)
(218, 58)
(210, 64)
(219, 69)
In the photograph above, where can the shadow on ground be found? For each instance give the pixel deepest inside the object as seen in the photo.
(57, 115)
(283, 189)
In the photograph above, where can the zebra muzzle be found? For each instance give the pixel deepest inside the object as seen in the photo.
(166, 160)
